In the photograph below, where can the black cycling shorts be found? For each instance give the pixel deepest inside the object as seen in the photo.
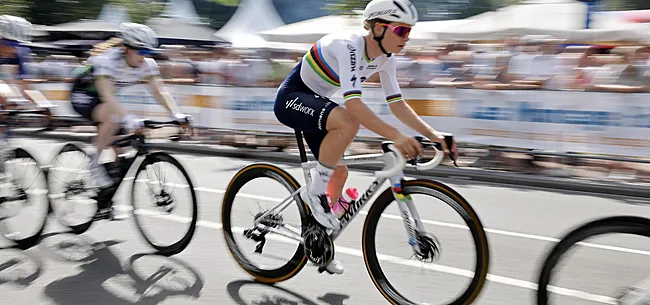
(84, 97)
(84, 102)
(300, 108)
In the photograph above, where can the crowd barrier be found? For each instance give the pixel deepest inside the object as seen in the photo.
(564, 121)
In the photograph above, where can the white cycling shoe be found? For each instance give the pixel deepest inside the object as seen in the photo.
(321, 210)
(335, 267)
(100, 177)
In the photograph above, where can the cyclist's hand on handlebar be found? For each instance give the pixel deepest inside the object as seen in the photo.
(185, 119)
(440, 138)
(132, 123)
(408, 146)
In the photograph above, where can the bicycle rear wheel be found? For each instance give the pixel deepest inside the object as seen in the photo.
(609, 225)
(251, 175)
(459, 206)
(22, 218)
(165, 201)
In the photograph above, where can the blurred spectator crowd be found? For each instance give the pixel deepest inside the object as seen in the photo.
(528, 62)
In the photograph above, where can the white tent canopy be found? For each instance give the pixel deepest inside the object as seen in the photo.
(560, 18)
(113, 14)
(309, 31)
(182, 9)
(251, 17)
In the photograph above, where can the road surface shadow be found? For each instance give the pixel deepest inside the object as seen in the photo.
(266, 294)
(19, 267)
(334, 298)
(104, 280)
(69, 247)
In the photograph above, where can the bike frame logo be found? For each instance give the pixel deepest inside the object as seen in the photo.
(356, 206)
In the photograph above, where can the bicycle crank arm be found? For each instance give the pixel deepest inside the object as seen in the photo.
(638, 294)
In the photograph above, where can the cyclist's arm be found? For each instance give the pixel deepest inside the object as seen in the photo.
(19, 76)
(160, 93)
(400, 108)
(350, 82)
(158, 88)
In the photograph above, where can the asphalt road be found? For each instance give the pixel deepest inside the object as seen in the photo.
(111, 264)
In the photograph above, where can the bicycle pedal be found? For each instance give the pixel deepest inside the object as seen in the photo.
(104, 214)
(324, 269)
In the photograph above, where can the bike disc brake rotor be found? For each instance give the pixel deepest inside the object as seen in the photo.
(429, 247)
(165, 201)
(319, 247)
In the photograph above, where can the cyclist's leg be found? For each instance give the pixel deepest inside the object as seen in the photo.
(322, 121)
(103, 115)
(329, 147)
(89, 107)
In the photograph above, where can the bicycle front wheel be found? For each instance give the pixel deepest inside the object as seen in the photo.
(631, 225)
(162, 221)
(448, 270)
(25, 204)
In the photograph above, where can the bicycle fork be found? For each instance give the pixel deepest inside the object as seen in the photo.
(409, 214)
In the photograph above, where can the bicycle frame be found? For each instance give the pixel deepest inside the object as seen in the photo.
(137, 142)
(142, 150)
(408, 211)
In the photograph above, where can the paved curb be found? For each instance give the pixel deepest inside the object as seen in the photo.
(530, 180)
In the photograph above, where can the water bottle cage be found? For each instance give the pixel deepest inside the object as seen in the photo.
(346, 206)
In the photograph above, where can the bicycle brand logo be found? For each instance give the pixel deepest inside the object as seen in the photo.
(359, 203)
(299, 107)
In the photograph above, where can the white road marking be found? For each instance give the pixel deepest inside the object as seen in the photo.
(453, 225)
(405, 262)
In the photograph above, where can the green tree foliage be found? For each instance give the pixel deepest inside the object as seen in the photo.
(15, 7)
(226, 2)
(51, 12)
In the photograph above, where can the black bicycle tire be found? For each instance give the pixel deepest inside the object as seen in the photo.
(299, 259)
(609, 225)
(180, 245)
(472, 220)
(83, 227)
(30, 241)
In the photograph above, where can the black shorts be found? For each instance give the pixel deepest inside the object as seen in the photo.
(300, 108)
(84, 103)
(84, 98)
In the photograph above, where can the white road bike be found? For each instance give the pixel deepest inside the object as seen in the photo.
(317, 247)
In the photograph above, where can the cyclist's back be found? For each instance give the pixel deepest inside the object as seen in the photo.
(84, 96)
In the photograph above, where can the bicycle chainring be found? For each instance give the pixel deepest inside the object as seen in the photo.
(319, 247)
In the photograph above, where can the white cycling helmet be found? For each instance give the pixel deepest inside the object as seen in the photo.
(15, 28)
(137, 36)
(391, 10)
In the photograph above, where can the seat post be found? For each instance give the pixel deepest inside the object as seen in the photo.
(301, 147)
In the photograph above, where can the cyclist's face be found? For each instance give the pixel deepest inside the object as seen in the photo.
(134, 58)
(397, 35)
